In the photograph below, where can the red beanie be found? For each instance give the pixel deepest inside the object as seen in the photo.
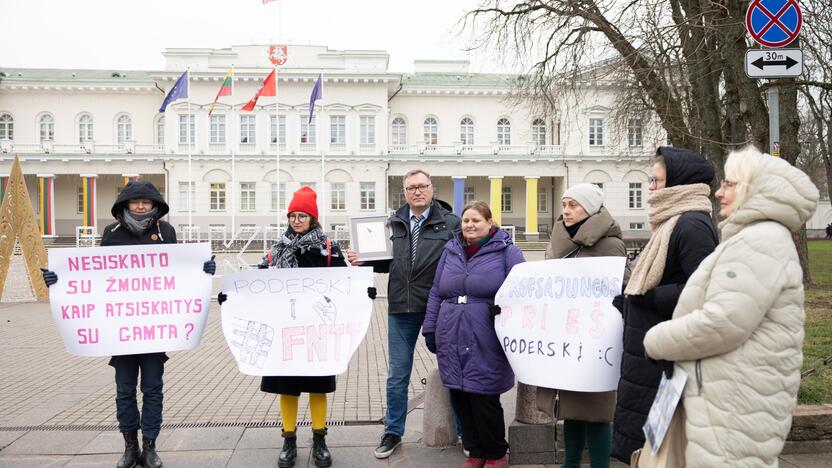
(305, 200)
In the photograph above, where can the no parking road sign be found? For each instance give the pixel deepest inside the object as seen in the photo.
(774, 23)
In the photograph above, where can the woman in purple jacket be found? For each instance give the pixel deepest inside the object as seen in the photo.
(459, 329)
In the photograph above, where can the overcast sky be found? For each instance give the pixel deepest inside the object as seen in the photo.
(131, 34)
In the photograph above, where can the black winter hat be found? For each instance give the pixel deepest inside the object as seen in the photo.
(685, 167)
(138, 190)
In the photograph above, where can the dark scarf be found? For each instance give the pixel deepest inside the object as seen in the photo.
(138, 224)
(471, 249)
(285, 253)
(573, 229)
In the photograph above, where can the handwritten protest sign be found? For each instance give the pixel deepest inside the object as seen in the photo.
(558, 326)
(296, 321)
(110, 301)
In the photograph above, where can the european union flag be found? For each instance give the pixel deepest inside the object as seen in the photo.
(317, 93)
(179, 91)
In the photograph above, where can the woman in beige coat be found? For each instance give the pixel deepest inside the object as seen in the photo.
(586, 229)
(738, 327)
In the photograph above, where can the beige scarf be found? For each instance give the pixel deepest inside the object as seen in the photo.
(666, 205)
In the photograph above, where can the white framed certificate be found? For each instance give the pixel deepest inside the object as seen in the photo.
(370, 238)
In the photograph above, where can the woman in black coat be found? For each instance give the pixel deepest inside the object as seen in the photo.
(682, 236)
(138, 211)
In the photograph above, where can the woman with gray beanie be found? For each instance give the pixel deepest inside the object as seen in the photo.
(585, 229)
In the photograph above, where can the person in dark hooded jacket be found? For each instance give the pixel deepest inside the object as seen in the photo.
(683, 235)
(138, 211)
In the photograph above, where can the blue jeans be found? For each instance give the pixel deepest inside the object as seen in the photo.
(402, 334)
(152, 367)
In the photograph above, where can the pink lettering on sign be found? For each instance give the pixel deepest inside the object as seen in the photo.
(597, 317)
(80, 311)
(573, 317)
(78, 286)
(148, 332)
(118, 261)
(148, 283)
(87, 335)
(322, 342)
(505, 314)
(528, 317)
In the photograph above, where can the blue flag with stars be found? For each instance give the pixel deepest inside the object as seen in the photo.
(179, 91)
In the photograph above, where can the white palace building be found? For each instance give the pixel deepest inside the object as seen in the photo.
(80, 134)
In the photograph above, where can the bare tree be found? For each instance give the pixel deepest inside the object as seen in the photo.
(683, 60)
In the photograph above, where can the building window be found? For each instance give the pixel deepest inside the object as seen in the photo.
(308, 130)
(368, 130)
(398, 131)
(248, 128)
(638, 226)
(368, 195)
(596, 132)
(85, 129)
(431, 130)
(337, 196)
(47, 128)
(217, 129)
(542, 199)
(187, 127)
(634, 131)
(218, 196)
(337, 129)
(506, 202)
(278, 190)
(539, 132)
(468, 195)
(79, 200)
(160, 130)
(124, 129)
(184, 199)
(635, 195)
(466, 131)
(398, 198)
(503, 132)
(6, 127)
(278, 129)
(248, 196)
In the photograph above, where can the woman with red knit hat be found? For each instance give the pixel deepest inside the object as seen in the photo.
(303, 245)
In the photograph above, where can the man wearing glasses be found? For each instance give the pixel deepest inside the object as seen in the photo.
(420, 230)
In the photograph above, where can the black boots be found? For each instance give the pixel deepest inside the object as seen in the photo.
(320, 452)
(131, 450)
(149, 458)
(286, 459)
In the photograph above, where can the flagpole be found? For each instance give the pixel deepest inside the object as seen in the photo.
(190, 175)
(323, 173)
(233, 163)
(277, 148)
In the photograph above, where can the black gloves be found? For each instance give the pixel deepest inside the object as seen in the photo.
(430, 342)
(371, 292)
(618, 303)
(263, 266)
(664, 366)
(49, 277)
(494, 310)
(210, 266)
(221, 297)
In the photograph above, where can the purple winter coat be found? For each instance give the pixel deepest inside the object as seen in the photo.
(470, 356)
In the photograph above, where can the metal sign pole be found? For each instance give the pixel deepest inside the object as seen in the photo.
(774, 120)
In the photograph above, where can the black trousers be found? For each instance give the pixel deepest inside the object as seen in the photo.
(152, 367)
(483, 427)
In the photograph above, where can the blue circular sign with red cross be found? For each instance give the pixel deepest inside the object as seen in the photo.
(774, 23)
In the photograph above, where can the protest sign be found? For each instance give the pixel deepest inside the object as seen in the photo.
(136, 299)
(296, 321)
(558, 326)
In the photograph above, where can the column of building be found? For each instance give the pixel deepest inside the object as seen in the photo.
(90, 211)
(459, 194)
(46, 204)
(496, 198)
(531, 208)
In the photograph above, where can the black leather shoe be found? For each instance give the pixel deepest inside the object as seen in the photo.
(388, 444)
(289, 452)
(320, 452)
(149, 458)
(131, 450)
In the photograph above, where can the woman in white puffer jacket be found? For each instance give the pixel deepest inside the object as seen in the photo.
(738, 327)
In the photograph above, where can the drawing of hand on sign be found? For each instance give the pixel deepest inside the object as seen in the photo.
(326, 311)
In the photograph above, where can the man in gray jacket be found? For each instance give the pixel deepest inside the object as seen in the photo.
(420, 229)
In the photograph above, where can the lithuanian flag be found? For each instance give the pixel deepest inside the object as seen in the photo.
(226, 89)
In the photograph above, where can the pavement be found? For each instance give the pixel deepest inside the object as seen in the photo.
(57, 409)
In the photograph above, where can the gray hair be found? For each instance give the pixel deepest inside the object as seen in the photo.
(413, 173)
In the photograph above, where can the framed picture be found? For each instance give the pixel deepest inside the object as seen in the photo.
(371, 238)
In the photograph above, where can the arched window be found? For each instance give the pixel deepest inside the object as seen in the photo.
(46, 125)
(466, 131)
(539, 132)
(431, 131)
(503, 132)
(6, 127)
(398, 131)
(160, 130)
(85, 129)
(124, 129)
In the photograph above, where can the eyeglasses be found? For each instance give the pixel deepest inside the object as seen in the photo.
(419, 188)
(727, 184)
(653, 180)
(299, 217)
